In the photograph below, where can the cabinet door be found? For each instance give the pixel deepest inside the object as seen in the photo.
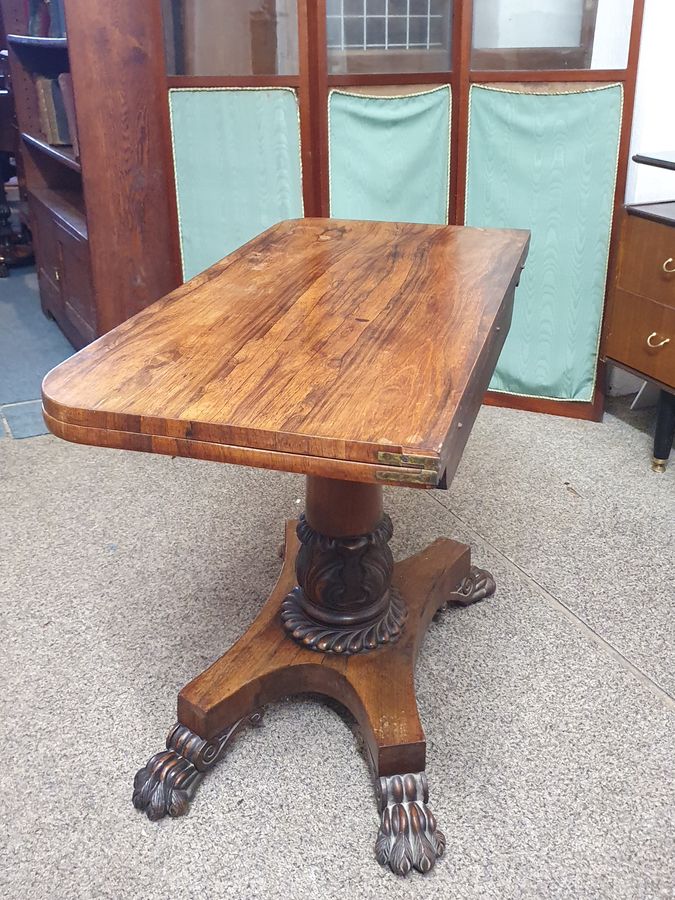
(76, 284)
(64, 272)
(48, 259)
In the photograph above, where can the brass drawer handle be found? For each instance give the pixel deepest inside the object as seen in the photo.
(665, 266)
(660, 344)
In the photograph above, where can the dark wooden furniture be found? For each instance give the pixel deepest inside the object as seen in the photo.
(7, 146)
(640, 327)
(103, 223)
(15, 244)
(357, 354)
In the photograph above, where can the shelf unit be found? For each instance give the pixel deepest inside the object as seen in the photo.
(45, 43)
(101, 223)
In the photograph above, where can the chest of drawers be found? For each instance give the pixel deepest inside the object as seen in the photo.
(640, 327)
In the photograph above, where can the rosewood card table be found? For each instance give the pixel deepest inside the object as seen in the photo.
(356, 353)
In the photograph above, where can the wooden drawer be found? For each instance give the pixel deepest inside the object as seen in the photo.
(64, 271)
(76, 285)
(634, 321)
(646, 247)
(48, 258)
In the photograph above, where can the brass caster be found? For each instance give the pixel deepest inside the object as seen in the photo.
(659, 465)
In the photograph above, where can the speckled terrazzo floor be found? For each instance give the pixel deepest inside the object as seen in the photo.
(549, 710)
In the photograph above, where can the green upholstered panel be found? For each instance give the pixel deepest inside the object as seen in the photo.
(390, 156)
(548, 162)
(237, 164)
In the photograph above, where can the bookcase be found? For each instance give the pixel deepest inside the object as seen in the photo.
(103, 219)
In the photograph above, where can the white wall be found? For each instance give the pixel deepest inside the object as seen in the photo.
(654, 116)
(526, 23)
(612, 34)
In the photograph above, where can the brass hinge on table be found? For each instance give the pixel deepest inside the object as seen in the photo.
(409, 460)
(428, 468)
(423, 476)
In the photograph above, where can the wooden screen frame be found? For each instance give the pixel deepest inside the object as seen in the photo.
(303, 83)
(313, 84)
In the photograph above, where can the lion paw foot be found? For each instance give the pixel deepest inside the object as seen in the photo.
(408, 837)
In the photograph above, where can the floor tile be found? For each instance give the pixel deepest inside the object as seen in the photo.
(30, 343)
(25, 419)
(578, 508)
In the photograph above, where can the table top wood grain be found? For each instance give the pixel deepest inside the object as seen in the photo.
(355, 350)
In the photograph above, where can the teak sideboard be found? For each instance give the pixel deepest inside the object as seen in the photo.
(640, 328)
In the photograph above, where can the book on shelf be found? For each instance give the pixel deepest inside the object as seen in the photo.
(43, 91)
(52, 111)
(46, 18)
(57, 19)
(37, 14)
(66, 85)
(60, 115)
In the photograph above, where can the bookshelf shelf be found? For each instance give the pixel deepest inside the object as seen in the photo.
(44, 43)
(66, 206)
(63, 154)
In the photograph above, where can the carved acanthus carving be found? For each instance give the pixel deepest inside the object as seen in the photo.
(344, 602)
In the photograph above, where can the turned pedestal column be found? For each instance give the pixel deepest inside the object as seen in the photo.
(344, 601)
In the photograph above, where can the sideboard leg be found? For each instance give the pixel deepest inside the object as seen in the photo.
(665, 431)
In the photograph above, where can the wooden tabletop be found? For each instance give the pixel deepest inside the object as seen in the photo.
(355, 350)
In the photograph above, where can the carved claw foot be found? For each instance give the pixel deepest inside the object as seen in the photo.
(478, 585)
(168, 781)
(408, 837)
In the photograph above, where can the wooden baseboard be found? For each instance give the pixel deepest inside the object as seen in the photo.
(591, 411)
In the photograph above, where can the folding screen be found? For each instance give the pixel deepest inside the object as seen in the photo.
(533, 91)
(389, 155)
(237, 164)
(546, 159)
